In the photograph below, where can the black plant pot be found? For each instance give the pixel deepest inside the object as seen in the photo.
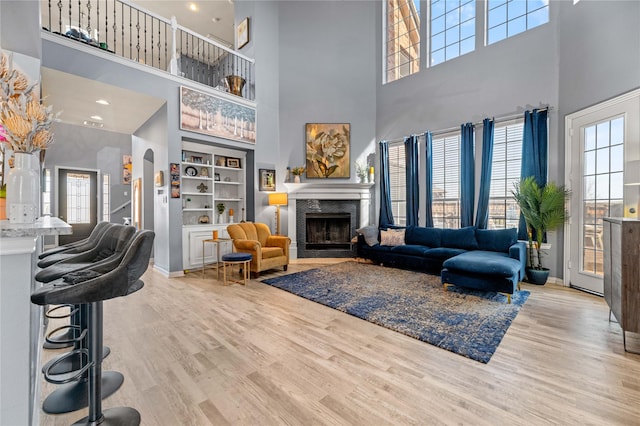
(537, 276)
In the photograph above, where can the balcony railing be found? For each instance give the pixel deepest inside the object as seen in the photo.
(132, 32)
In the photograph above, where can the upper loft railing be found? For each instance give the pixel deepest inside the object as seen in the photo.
(132, 32)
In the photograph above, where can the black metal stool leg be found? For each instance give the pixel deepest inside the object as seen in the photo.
(113, 416)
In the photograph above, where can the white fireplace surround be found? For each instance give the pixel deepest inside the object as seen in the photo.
(325, 191)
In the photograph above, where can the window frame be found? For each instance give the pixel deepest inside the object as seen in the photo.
(394, 72)
(446, 30)
(526, 16)
(507, 182)
(398, 204)
(442, 221)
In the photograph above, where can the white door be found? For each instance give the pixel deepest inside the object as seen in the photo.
(602, 166)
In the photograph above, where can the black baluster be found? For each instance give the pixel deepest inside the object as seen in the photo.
(145, 39)
(49, 16)
(138, 36)
(60, 16)
(89, 19)
(79, 15)
(130, 34)
(70, 22)
(98, 19)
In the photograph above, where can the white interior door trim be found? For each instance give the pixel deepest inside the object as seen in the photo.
(568, 164)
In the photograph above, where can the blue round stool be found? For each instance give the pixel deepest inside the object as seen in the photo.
(242, 259)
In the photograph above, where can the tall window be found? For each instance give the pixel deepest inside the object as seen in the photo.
(453, 29)
(398, 180)
(506, 18)
(446, 181)
(46, 192)
(402, 55)
(106, 198)
(505, 174)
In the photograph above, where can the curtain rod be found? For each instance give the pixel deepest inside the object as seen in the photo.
(498, 119)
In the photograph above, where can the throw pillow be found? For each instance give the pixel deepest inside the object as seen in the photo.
(392, 238)
(370, 234)
(463, 238)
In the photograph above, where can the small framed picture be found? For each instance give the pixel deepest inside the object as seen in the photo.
(221, 161)
(267, 180)
(216, 177)
(242, 33)
(233, 162)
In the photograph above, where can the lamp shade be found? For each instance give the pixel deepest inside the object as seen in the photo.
(278, 199)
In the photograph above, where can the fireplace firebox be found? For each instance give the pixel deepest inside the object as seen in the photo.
(328, 231)
(325, 227)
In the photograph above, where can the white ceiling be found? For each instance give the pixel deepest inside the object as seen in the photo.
(201, 21)
(76, 96)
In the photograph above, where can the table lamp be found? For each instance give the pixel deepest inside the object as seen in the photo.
(278, 199)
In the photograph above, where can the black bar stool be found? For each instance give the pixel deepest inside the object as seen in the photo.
(101, 284)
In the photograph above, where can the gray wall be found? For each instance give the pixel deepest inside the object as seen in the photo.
(90, 148)
(309, 69)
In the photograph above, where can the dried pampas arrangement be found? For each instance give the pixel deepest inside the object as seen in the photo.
(25, 120)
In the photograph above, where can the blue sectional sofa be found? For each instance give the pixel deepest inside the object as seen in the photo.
(482, 259)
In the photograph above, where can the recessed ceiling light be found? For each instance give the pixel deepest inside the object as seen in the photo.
(103, 102)
(193, 7)
(215, 20)
(92, 123)
(96, 117)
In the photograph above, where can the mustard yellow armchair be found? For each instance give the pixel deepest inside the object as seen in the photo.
(268, 251)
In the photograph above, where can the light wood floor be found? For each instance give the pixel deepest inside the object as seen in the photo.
(196, 353)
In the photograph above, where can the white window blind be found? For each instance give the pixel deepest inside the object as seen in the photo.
(398, 180)
(446, 181)
(505, 174)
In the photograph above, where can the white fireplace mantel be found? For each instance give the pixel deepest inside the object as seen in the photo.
(325, 191)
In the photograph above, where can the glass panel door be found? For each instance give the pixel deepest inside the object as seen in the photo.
(599, 163)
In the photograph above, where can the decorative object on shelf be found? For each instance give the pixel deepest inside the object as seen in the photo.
(227, 179)
(361, 172)
(216, 177)
(242, 33)
(371, 174)
(267, 180)
(278, 199)
(221, 161)
(196, 159)
(204, 172)
(187, 203)
(159, 178)
(25, 128)
(543, 208)
(174, 176)
(202, 187)
(235, 84)
(216, 116)
(191, 171)
(296, 172)
(230, 215)
(215, 234)
(328, 150)
(220, 207)
(233, 162)
(203, 219)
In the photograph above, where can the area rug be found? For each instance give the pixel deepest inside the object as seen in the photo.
(467, 322)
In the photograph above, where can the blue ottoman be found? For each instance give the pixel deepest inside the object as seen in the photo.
(241, 259)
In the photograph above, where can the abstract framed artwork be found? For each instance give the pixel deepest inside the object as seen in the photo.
(127, 168)
(242, 33)
(267, 180)
(327, 148)
(216, 116)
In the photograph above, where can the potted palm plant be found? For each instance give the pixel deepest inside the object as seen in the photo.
(543, 208)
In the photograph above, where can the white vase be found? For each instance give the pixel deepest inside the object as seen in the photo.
(296, 179)
(22, 190)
